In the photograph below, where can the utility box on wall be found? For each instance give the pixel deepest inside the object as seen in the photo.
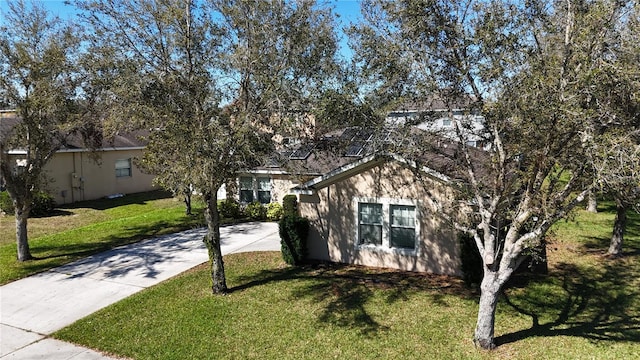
(75, 181)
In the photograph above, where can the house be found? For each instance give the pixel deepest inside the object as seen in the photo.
(439, 115)
(369, 206)
(75, 173)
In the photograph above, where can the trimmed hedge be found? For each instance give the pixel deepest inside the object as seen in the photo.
(293, 239)
(290, 205)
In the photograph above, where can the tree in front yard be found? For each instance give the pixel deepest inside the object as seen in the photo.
(209, 80)
(41, 78)
(529, 69)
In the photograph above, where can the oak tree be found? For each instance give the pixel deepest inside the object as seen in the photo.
(528, 68)
(210, 81)
(42, 78)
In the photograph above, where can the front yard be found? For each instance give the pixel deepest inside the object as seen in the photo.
(587, 307)
(81, 229)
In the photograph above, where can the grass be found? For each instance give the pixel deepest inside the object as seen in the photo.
(587, 307)
(85, 228)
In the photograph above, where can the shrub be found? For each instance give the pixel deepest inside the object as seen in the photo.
(290, 205)
(6, 204)
(255, 211)
(293, 239)
(471, 262)
(42, 204)
(229, 208)
(274, 211)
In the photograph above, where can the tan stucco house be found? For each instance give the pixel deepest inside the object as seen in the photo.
(367, 207)
(377, 212)
(75, 173)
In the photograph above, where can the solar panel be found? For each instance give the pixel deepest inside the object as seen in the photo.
(302, 152)
(364, 134)
(349, 133)
(355, 149)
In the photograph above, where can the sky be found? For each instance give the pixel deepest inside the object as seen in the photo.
(347, 10)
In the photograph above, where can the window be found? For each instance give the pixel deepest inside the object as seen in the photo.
(446, 122)
(246, 189)
(264, 190)
(21, 166)
(387, 224)
(123, 168)
(403, 226)
(370, 224)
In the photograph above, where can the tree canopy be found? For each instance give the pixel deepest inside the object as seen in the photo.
(210, 81)
(42, 78)
(551, 79)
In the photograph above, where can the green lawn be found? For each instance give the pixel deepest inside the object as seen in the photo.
(587, 307)
(85, 228)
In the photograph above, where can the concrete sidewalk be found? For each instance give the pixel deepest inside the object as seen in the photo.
(35, 307)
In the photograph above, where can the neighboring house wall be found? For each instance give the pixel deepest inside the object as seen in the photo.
(75, 176)
(340, 233)
(472, 129)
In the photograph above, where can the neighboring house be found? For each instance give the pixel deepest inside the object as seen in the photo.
(441, 117)
(75, 174)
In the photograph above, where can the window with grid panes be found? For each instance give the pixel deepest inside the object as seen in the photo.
(370, 223)
(403, 226)
(123, 167)
(264, 190)
(246, 189)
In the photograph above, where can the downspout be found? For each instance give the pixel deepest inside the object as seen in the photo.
(73, 190)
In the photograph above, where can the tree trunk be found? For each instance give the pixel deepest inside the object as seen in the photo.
(187, 202)
(490, 290)
(22, 216)
(619, 226)
(592, 203)
(212, 240)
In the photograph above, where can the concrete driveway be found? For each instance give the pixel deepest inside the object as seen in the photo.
(35, 307)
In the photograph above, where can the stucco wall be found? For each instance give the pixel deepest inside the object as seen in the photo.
(93, 180)
(333, 214)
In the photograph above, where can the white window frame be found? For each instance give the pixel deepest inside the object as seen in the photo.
(260, 190)
(387, 203)
(241, 189)
(369, 223)
(119, 169)
(255, 188)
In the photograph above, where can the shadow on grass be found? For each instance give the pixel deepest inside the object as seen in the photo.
(345, 290)
(48, 254)
(129, 199)
(631, 246)
(598, 304)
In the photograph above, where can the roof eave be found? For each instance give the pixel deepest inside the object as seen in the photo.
(346, 171)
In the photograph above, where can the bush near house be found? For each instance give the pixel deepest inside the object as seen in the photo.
(43, 204)
(229, 208)
(471, 262)
(274, 212)
(255, 211)
(293, 238)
